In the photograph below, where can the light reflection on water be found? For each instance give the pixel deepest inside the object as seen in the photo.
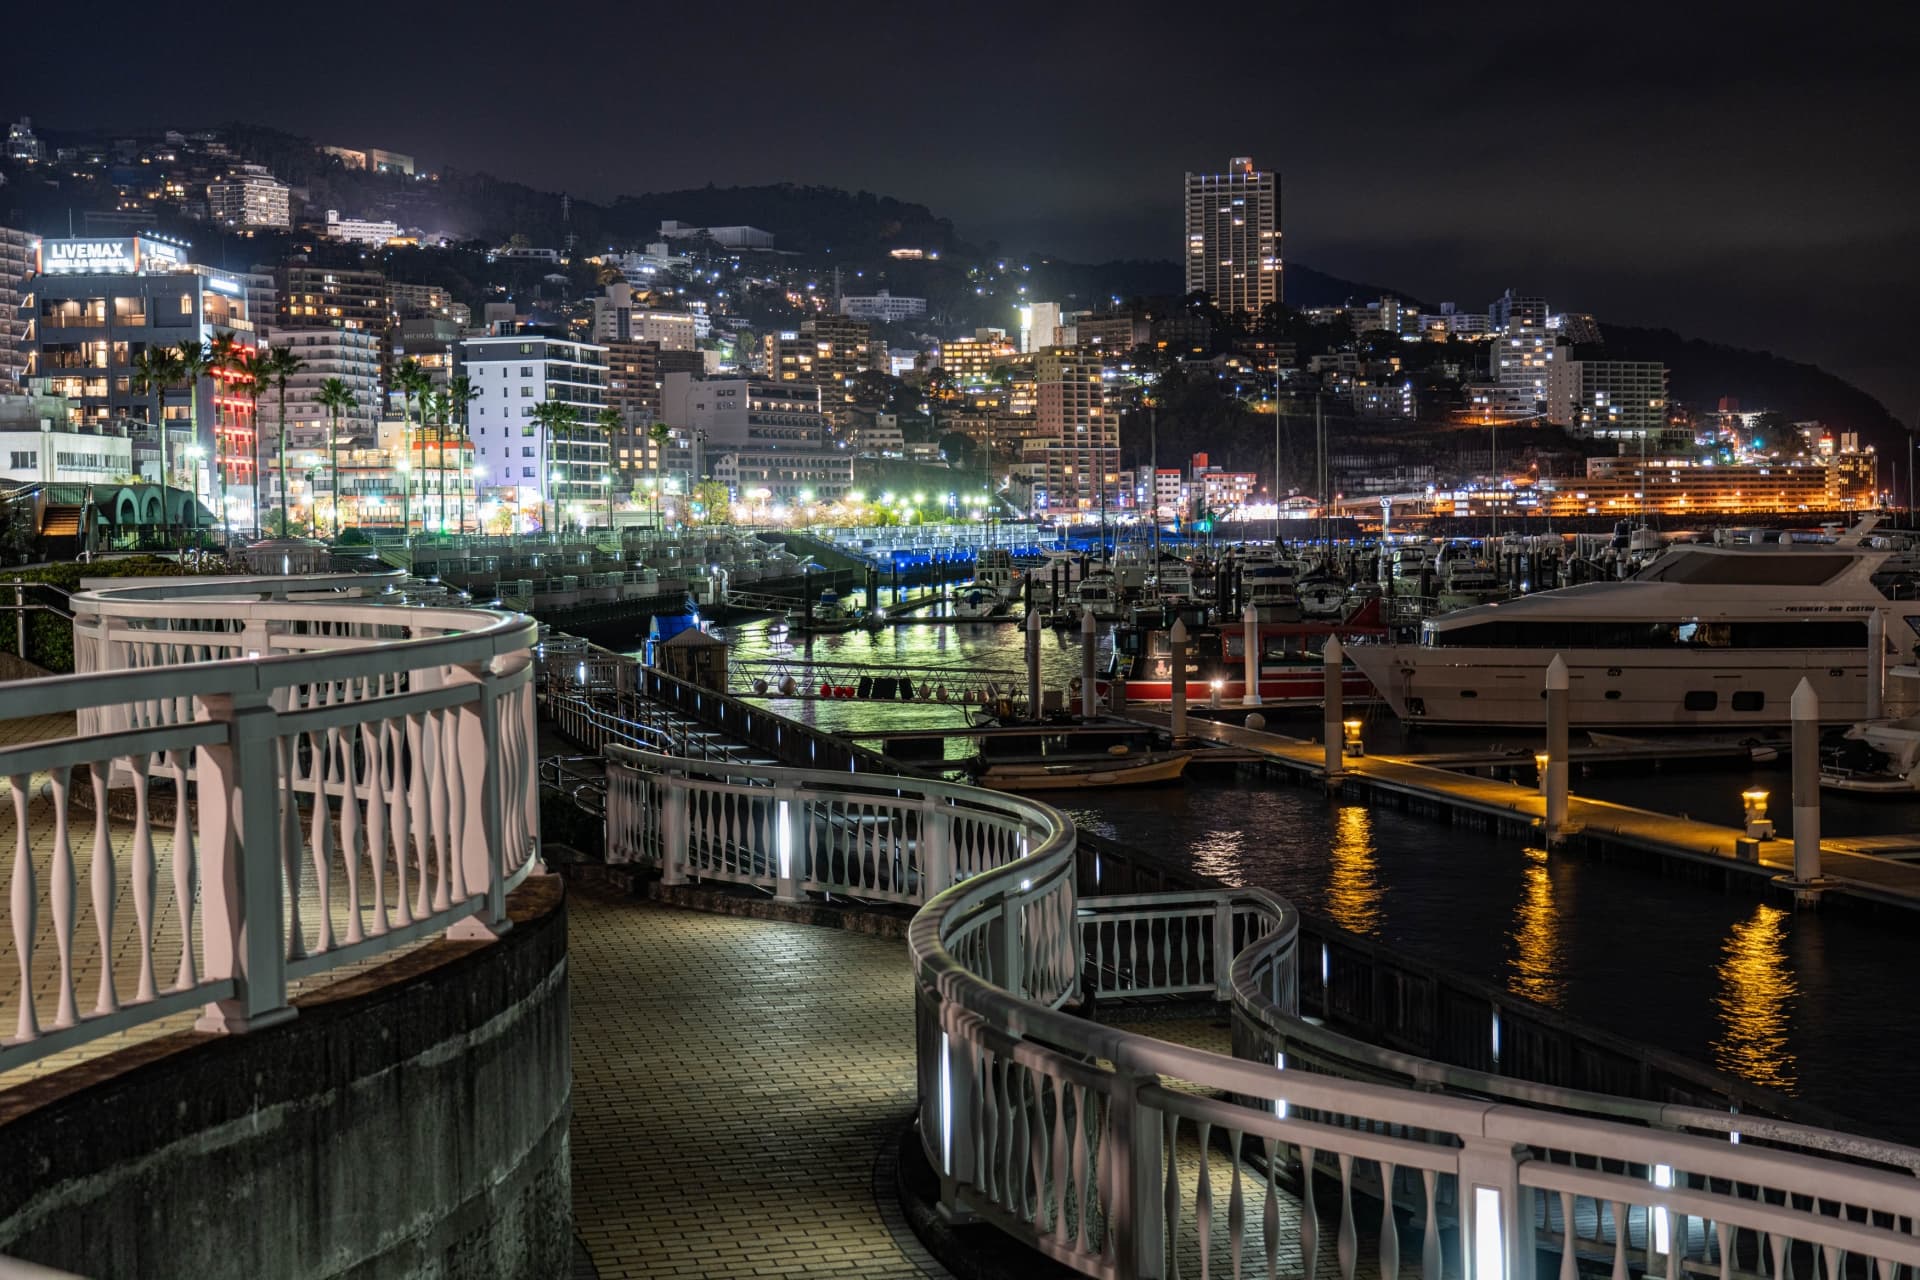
(1353, 887)
(1538, 969)
(1756, 1002)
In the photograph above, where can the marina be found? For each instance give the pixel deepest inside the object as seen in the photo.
(1436, 836)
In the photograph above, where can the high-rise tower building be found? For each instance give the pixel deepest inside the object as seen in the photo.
(1233, 236)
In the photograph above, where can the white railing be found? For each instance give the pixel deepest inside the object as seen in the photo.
(1267, 1027)
(1121, 1155)
(284, 775)
(793, 832)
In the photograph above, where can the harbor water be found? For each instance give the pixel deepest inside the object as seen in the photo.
(1816, 1006)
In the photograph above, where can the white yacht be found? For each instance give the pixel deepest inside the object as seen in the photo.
(1272, 589)
(991, 589)
(1702, 637)
(1099, 592)
(1466, 581)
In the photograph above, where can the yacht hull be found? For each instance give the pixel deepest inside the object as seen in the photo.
(1612, 688)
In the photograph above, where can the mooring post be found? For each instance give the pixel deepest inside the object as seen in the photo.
(1806, 881)
(1033, 665)
(1333, 729)
(1250, 642)
(1557, 699)
(1089, 647)
(1178, 674)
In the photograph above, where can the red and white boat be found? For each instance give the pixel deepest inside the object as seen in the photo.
(1290, 663)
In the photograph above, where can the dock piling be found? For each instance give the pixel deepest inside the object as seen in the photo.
(1033, 664)
(1250, 643)
(1089, 647)
(1333, 728)
(1178, 663)
(1556, 780)
(1805, 881)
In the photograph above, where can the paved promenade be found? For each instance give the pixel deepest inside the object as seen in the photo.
(734, 1082)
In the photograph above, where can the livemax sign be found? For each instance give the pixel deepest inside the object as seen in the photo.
(88, 255)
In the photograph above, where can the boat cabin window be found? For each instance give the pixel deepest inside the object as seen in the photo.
(1273, 648)
(1796, 569)
(1810, 633)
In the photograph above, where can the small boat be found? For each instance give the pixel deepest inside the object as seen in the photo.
(1272, 590)
(829, 614)
(1100, 592)
(976, 600)
(1323, 596)
(1875, 757)
(1118, 770)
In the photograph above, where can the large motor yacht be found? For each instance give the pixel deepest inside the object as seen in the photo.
(1702, 637)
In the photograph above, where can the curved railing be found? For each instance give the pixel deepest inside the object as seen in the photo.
(1268, 1027)
(279, 775)
(1119, 1154)
(1123, 1155)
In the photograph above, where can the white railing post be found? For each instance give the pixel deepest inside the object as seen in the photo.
(1496, 1237)
(1223, 948)
(1012, 975)
(482, 854)
(936, 846)
(237, 794)
(1139, 1214)
(786, 856)
(674, 832)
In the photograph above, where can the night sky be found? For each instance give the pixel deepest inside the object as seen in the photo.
(1746, 173)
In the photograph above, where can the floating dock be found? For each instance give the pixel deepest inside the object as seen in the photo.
(1875, 870)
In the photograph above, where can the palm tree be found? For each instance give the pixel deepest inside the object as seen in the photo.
(278, 365)
(554, 416)
(660, 433)
(154, 374)
(412, 381)
(223, 355)
(608, 420)
(249, 366)
(336, 399)
(434, 408)
(191, 363)
(459, 396)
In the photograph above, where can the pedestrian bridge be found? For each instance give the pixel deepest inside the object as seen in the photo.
(1119, 1154)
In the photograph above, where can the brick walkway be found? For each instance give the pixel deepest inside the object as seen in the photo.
(733, 1083)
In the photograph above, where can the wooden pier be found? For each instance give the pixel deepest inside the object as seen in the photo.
(1879, 870)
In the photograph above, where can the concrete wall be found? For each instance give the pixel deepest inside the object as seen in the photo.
(411, 1121)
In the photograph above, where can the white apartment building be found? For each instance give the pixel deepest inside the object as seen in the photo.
(351, 355)
(1521, 363)
(783, 475)
(1511, 314)
(744, 413)
(18, 252)
(1623, 400)
(1233, 236)
(617, 317)
(512, 373)
(38, 445)
(250, 197)
(360, 230)
(882, 306)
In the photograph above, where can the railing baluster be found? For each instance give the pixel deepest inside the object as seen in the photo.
(185, 872)
(24, 905)
(144, 876)
(60, 892)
